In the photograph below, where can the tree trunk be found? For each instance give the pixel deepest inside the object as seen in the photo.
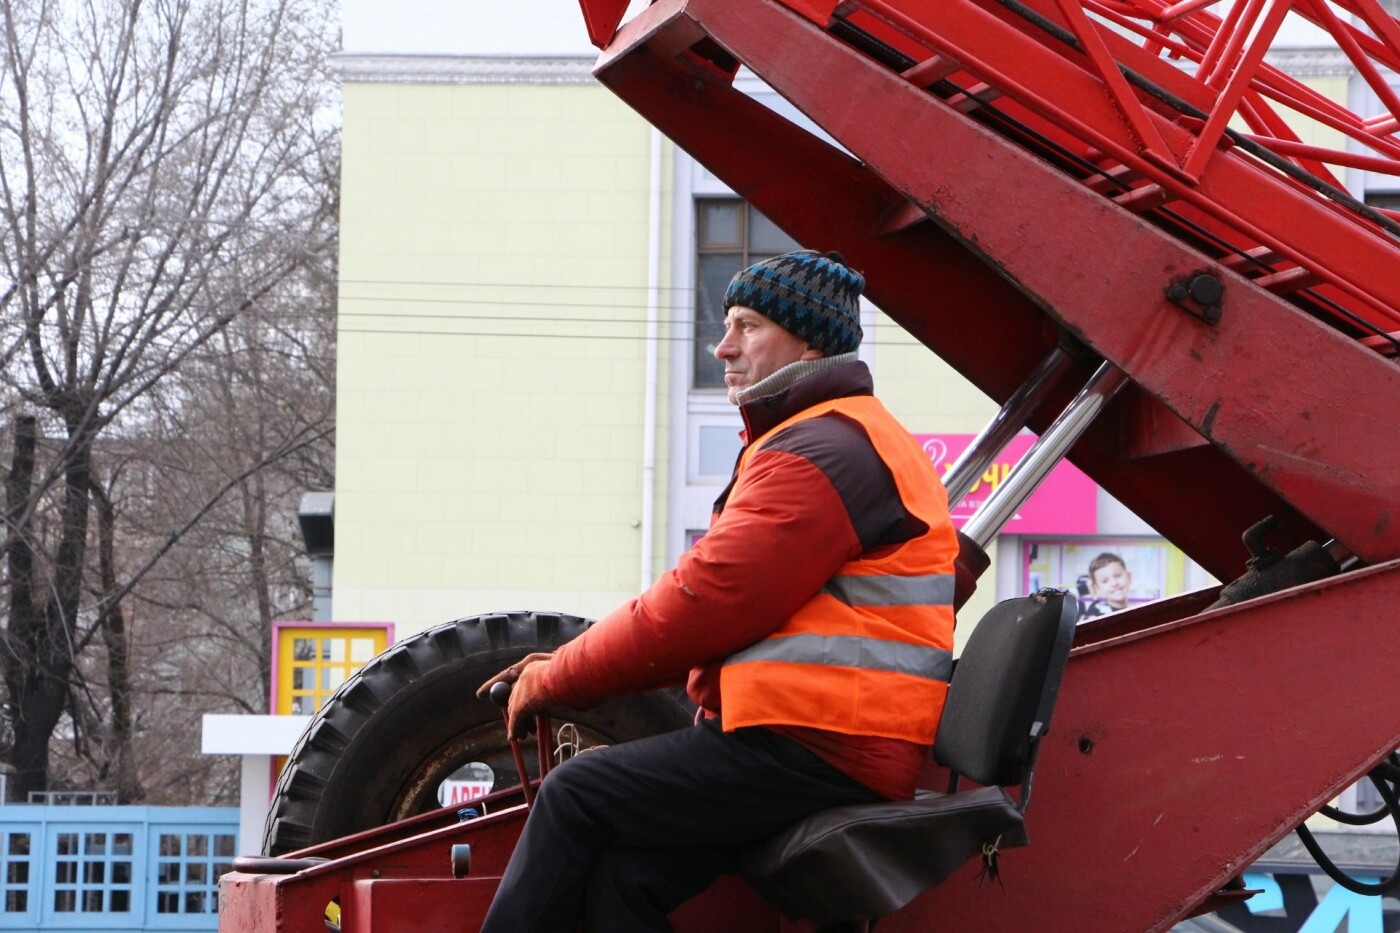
(114, 638)
(39, 661)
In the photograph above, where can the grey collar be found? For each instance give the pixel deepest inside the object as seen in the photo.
(780, 380)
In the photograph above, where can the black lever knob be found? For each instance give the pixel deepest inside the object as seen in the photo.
(500, 694)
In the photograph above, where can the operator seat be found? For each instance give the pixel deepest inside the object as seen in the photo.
(853, 864)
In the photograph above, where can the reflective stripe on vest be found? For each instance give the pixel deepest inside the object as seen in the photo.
(934, 589)
(869, 654)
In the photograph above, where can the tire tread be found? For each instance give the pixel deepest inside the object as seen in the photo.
(355, 750)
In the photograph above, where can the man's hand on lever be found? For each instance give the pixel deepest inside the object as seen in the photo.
(528, 695)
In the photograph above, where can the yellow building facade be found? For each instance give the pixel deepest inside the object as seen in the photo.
(515, 399)
(523, 417)
(493, 369)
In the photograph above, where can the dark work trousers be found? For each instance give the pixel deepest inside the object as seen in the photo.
(619, 837)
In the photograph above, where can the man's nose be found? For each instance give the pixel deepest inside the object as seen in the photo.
(725, 349)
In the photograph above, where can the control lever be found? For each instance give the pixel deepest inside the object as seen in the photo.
(500, 695)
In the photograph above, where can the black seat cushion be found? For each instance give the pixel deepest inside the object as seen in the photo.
(865, 861)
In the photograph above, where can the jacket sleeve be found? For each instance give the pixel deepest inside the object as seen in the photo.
(783, 533)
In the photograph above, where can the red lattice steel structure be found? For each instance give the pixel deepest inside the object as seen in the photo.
(1049, 171)
(1135, 182)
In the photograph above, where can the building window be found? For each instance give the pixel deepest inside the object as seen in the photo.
(729, 235)
(15, 879)
(93, 873)
(188, 867)
(314, 660)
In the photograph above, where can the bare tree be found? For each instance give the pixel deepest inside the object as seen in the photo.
(162, 188)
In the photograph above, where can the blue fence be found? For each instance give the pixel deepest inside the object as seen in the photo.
(113, 868)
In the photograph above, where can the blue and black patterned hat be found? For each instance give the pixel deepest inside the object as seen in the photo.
(811, 294)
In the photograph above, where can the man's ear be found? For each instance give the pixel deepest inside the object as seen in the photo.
(811, 353)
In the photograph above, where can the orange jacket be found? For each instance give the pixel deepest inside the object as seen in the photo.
(871, 652)
(815, 497)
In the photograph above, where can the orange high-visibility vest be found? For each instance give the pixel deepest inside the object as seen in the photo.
(871, 653)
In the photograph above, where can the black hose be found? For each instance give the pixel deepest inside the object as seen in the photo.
(1383, 776)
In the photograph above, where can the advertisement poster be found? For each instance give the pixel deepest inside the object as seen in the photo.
(1106, 574)
(1065, 503)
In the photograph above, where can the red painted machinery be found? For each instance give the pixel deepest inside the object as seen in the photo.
(1041, 190)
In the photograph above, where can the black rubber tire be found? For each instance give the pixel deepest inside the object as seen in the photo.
(377, 750)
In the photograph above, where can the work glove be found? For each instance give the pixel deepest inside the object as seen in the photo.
(529, 695)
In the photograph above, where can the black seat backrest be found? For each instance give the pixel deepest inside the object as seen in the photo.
(1004, 687)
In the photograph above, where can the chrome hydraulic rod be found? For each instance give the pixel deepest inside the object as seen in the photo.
(1007, 423)
(1048, 450)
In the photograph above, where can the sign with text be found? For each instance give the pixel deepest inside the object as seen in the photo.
(1066, 503)
(451, 793)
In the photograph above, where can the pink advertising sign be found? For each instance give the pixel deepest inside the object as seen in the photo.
(1065, 504)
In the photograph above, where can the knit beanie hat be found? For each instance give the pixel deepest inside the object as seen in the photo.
(809, 294)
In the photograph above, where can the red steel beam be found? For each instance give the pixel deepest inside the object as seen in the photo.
(1299, 405)
(940, 291)
(1343, 249)
(392, 880)
(1180, 754)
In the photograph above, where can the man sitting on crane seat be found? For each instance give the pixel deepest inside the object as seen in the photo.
(814, 621)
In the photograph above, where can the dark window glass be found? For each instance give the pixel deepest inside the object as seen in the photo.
(729, 235)
(1389, 200)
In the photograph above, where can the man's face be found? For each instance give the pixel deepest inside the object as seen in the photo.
(754, 348)
(1112, 582)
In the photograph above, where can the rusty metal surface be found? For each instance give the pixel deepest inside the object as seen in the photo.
(978, 215)
(944, 294)
(1180, 754)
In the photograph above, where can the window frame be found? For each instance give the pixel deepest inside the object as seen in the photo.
(746, 253)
